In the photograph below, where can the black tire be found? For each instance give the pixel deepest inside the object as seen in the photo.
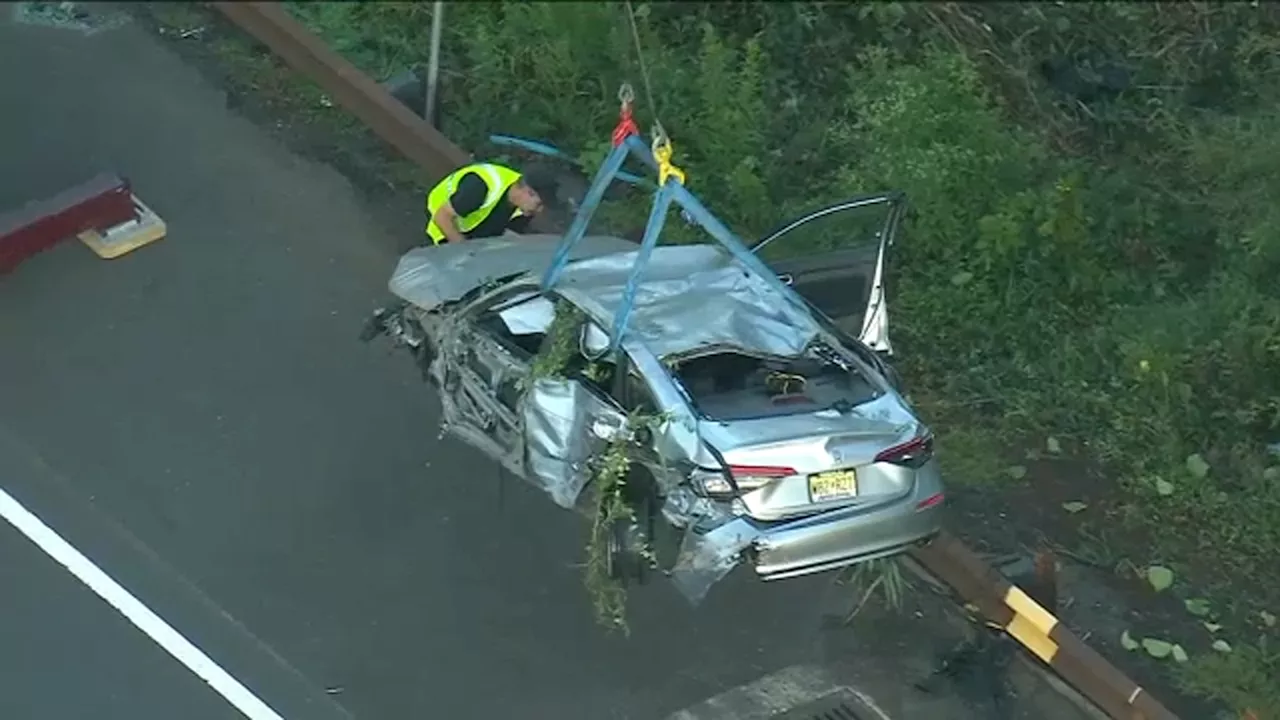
(629, 536)
(622, 562)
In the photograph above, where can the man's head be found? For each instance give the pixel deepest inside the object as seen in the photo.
(531, 192)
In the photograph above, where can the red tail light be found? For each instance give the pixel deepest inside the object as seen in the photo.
(746, 477)
(934, 499)
(912, 453)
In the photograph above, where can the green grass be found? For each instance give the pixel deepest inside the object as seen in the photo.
(1245, 679)
(1102, 273)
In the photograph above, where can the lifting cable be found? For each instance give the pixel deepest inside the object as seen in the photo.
(661, 143)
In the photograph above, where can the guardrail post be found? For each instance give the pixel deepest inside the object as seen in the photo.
(1045, 587)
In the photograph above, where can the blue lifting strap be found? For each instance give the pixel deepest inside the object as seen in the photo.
(671, 191)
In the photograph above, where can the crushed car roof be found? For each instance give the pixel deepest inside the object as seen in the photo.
(689, 298)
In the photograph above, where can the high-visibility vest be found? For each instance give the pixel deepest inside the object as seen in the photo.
(496, 177)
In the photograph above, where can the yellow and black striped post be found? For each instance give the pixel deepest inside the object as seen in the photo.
(1006, 606)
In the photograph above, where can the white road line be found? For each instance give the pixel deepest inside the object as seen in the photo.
(140, 615)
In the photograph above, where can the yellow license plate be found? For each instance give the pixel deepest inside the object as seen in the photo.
(833, 485)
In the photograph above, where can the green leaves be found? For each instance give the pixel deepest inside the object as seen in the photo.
(1159, 577)
(883, 574)
(1157, 648)
(1197, 606)
(559, 345)
(1197, 466)
(1127, 642)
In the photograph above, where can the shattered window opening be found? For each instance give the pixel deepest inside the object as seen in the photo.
(518, 323)
(601, 376)
(732, 385)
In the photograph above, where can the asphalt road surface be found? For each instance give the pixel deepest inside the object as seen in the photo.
(199, 420)
(63, 651)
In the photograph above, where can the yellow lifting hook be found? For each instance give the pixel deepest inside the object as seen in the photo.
(662, 151)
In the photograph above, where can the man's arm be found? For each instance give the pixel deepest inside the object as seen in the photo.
(465, 200)
(520, 224)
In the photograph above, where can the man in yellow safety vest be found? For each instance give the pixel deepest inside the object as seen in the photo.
(481, 200)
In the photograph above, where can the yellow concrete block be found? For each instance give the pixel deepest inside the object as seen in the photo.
(126, 237)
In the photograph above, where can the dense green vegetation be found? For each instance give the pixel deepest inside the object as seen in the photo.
(1092, 261)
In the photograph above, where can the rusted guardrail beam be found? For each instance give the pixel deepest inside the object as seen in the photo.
(1002, 603)
(350, 88)
(1005, 605)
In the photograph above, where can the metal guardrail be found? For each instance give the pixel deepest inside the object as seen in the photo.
(350, 88)
(1003, 604)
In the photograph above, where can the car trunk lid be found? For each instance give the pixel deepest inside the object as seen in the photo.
(775, 460)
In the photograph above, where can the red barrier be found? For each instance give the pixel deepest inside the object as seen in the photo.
(99, 204)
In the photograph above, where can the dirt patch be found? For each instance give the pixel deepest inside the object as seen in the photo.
(929, 660)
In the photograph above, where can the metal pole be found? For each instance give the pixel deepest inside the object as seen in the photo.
(433, 64)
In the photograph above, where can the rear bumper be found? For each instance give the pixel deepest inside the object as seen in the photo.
(843, 537)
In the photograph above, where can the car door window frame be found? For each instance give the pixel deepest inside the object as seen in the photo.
(876, 294)
(886, 234)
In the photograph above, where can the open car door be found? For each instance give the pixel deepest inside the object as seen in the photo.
(834, 257)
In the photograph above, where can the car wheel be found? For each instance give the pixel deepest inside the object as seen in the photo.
(629, 539)
(626, 542)
(620, 562)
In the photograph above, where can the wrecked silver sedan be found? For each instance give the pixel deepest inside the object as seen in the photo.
(775, 431)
